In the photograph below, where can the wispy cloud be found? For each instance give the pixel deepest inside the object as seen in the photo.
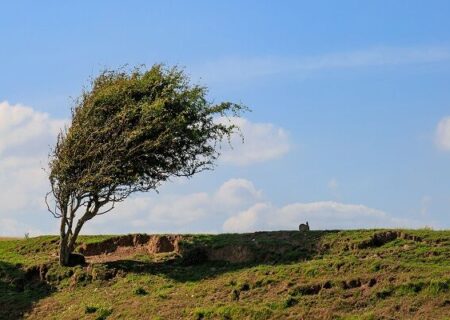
(243, 68)
(262, 142)
(442, 137)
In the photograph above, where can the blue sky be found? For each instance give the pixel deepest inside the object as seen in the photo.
(350, 103)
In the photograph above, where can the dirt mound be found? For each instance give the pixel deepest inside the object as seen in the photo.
(161, 244)
(381, 238)
(112, 244)
(121, 247)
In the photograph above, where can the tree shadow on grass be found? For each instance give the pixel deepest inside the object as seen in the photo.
(263, 248)
(19, 290)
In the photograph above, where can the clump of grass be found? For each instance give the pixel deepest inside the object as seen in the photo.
(140, 291)
(410, 288)
(235, 294)
(384, 293)
(90, 309)
(376, 266)
(311, 272)
(438, 286)
(244, 287)
(103, 313)
(290, 302)
(201, 313)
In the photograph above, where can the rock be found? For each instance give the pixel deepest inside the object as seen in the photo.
(303, 227)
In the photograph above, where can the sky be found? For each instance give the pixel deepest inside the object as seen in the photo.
(350, 100)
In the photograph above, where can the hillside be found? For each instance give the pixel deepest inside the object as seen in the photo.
(361, 274)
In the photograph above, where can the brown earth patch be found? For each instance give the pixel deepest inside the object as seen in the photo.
(123, 247)
(112, 244)
(233, 254)
(161, 244)
(381, 238)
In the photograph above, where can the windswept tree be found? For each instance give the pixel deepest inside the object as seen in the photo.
(129, 132)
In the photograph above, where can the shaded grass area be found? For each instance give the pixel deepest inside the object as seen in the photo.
(292, 275)
(18, 291)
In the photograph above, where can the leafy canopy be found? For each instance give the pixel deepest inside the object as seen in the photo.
(133, 130)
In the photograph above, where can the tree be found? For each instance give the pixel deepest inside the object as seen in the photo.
(129, 132)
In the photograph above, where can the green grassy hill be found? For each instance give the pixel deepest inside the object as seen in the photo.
(361, 274)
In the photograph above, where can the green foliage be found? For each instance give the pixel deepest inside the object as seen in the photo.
(132, 131)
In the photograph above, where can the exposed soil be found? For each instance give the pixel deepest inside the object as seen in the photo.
(381, 238)
(123, 247)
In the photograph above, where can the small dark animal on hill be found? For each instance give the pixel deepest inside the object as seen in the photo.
(303, 227)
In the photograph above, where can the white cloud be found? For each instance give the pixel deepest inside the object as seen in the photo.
(195, 212)
(24, 130)
(442, 138)
(320, 215)
(245, 68)
(237, 192)
(331, 215)
(25, 136)
(247, 220)
(182, 210)
(237, 206)
(262, 142)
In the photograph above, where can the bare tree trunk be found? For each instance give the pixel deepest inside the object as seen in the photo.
(73, 239)
(64, 253)
(68, 237)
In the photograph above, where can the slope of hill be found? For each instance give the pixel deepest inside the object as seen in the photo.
(361, 274)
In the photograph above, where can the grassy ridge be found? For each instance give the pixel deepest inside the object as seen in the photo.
(361, 274)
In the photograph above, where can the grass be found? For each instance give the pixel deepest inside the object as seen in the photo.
(291, 275)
